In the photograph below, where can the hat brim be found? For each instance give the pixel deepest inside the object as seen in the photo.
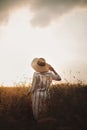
(39, 68)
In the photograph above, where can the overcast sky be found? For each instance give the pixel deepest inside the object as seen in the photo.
(44, 11)
(53, 29)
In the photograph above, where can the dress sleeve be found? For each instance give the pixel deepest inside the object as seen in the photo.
(56, 77)
(33, 82)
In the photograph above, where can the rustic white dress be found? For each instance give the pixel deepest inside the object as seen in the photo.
(40, 92)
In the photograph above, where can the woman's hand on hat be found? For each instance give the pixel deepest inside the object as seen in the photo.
(51, 68)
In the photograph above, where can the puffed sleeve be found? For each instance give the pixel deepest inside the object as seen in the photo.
(56, 77)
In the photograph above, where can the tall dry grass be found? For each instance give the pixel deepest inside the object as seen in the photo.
(67, 108)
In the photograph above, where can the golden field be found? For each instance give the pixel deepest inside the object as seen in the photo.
(67, 108)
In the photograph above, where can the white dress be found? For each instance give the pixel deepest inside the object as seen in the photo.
(40, 92)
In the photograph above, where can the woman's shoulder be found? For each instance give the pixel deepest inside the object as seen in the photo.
(45, 73)
(36, 74)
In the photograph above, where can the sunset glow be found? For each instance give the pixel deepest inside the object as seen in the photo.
(20, 42)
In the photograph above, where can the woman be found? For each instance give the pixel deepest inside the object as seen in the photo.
(42, 79)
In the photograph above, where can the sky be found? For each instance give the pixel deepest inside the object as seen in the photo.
(53, 29)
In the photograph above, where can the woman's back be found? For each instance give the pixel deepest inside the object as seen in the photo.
(42, 81)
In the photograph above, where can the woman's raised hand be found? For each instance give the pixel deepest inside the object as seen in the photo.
(52, 69)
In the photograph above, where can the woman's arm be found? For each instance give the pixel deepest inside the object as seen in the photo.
(31, 90)
(33, 83)
(56, 76)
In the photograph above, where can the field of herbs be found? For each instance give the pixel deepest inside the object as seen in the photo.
(67, 108)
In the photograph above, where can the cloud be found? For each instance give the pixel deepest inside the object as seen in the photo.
(44, 11)
(6, 6)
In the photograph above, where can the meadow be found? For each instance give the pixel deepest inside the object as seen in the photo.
(67, 108)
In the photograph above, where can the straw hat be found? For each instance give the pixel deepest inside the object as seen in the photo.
(40, 65)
